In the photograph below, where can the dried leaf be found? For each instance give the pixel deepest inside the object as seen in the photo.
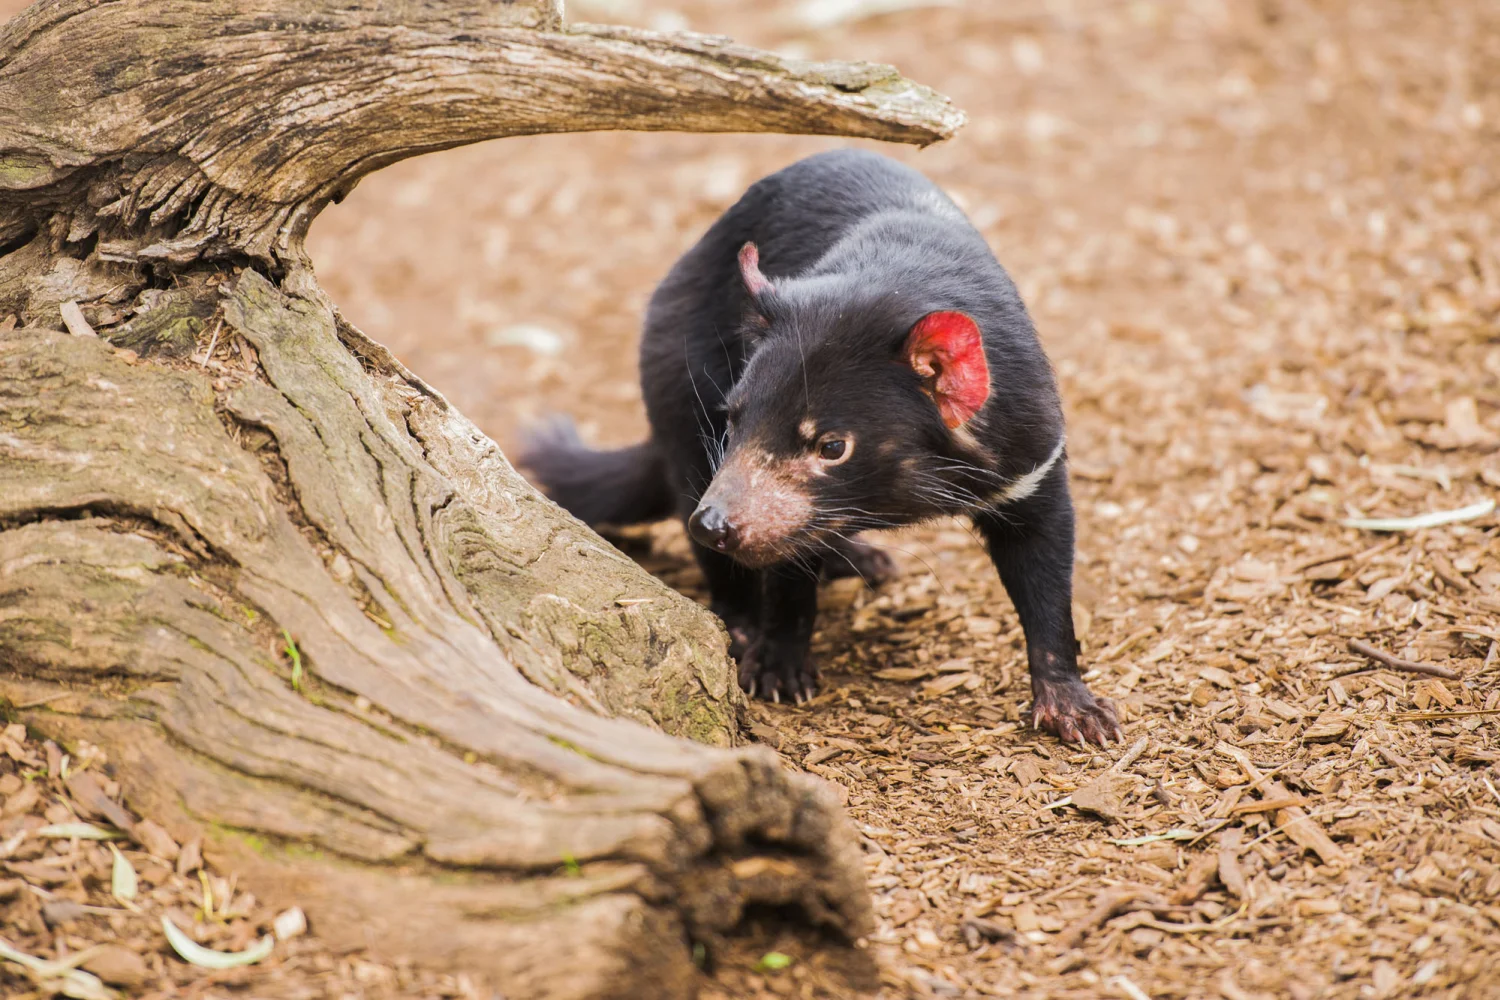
(123, 883)
(206, 958)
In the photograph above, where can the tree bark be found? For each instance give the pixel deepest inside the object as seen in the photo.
(302, 602)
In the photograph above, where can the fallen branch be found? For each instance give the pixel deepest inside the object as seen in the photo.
(1396, 663)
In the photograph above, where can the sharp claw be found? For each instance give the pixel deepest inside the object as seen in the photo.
(752, 687)
(776, 695)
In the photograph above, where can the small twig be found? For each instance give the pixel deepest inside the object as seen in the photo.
(917, 726)
(1268, 805)
(1397, 663)
(212, 343)
(1129, 756)
(1431, 716)
(1334, 557)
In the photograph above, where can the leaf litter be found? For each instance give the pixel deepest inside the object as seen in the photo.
(1277, 315)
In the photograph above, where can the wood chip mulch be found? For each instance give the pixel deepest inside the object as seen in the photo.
(1262, 245)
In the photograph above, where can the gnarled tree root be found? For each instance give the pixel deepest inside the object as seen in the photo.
(300, 601)
(152, 565)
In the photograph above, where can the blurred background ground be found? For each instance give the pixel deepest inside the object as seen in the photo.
(1261, 241)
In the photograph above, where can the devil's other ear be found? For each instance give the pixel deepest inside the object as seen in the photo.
(755, 282)
(947, 350)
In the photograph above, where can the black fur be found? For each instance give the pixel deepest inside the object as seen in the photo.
(857, 248)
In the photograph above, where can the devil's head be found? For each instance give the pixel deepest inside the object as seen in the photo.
(853, 411)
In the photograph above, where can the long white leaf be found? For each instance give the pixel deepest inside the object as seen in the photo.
(1431, 520)
(206, 958)
(62, 976)
(83, 831)
(1152, 838)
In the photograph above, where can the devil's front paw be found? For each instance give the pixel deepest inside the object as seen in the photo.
(778, 671)
(743, 630)
(852, 557)
(1071, 712)
(742, 638)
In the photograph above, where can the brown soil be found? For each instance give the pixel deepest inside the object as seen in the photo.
(1262, 245)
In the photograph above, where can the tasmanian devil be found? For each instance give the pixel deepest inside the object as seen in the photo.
(841, 352)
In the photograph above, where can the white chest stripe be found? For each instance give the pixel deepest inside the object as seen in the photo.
(1028, 484)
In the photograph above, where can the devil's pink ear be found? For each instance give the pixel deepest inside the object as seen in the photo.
(755, 282)
(947, 350)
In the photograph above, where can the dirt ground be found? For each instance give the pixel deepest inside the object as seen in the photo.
(1261, 241)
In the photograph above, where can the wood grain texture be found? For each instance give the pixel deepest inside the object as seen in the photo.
(510, 750)
(205, 129)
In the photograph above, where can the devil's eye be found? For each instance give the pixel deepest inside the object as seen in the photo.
(834, 449)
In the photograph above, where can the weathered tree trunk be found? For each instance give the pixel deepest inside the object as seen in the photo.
(304, 602)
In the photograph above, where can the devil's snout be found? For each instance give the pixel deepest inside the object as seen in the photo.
(711, 528)
(753, 511)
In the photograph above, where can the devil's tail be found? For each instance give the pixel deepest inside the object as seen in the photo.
(620, 487)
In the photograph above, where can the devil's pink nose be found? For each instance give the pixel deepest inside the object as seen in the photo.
(711, 528)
